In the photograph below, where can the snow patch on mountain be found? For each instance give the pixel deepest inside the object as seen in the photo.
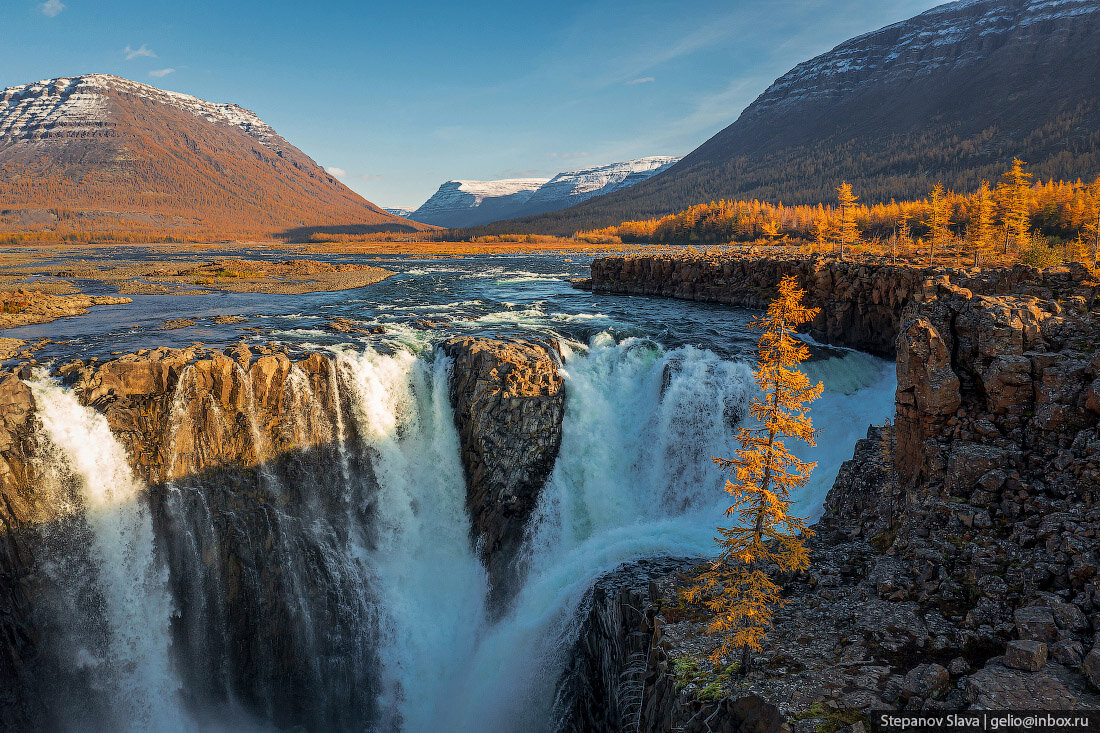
(915, 47)
(461, 203)
(76, 106)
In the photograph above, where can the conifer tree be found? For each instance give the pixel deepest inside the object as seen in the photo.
(1095, 219)
(981, 223)
(938, 219)
(736, 587)
(847, 229)
(1016, 204)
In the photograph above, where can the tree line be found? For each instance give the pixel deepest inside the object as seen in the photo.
(1014, 220)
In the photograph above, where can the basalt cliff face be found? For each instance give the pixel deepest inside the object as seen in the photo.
(862, 304)
(244, 452)
(509, 406)
(955, 564)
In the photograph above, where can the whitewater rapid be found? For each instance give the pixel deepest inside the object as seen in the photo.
(633, 479)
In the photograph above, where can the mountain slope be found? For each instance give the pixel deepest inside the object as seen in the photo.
(98, 152)
(470, 203)
(951, 94)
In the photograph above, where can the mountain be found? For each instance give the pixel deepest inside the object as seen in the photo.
(397, 211)
(949, 95)
(470, 203)
(100, 153)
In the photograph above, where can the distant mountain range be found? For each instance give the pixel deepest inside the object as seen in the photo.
(470, 203)
(949, 95)
(100, 153)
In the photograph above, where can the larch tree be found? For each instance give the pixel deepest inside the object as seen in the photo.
(736, 587)
(1095, 216)
(847, 229)
(1015, 192)
(939, 217)
(981, 223)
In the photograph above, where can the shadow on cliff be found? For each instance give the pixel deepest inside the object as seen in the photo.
(275, 616)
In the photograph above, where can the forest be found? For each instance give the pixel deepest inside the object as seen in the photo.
(1038, 223)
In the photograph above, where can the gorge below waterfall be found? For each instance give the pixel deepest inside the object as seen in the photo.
(293, 546)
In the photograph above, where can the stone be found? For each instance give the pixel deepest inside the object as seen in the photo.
(1036, 623)
(924, 681)
(1026, 655)
(1091, 667)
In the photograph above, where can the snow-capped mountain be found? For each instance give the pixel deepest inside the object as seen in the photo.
(134, 156)
(397, 211)
(471, 203)
(950, 95)
(572, 187)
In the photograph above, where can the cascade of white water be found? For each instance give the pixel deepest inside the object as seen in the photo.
(138, 670)
(633, 478)
(430, 584)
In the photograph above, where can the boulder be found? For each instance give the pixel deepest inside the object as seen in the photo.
(1026, 655)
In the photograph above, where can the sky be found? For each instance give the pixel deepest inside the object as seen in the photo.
(395, 98)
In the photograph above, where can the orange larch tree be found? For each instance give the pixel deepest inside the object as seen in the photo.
(736, 587)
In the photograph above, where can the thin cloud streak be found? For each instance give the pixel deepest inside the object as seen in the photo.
(161, 73)
(136, 53)
(641, 80)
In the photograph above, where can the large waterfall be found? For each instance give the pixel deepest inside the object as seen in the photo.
(124, 642)
(366, 606)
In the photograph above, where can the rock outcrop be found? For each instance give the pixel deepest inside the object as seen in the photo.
(861, 302)
(509, 404)
(956, 562)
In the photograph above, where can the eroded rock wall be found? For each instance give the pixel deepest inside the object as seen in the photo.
(861, 302)
(509, 405)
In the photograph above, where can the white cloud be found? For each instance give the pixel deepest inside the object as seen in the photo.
(640, 80)
(336, 172)
(161, 73)
(134, 53)
(51, 8)
(567, 156)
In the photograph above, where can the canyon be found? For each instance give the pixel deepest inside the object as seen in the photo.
(954, 563)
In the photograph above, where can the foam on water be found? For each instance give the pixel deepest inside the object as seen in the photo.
(137, 671)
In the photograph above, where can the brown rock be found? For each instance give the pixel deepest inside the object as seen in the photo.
(1026, 655)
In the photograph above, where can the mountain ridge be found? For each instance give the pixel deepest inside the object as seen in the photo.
(463, 203)
(98, 152)
(951, 95)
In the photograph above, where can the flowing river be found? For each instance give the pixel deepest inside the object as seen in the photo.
(654, 388)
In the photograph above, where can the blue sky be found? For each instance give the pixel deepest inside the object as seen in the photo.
(403, 96)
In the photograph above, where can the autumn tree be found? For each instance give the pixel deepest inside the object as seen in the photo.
(847, 229)
(736, 588)
(1015, 190)
(981, 223)
(939, 217)
(1095, 218)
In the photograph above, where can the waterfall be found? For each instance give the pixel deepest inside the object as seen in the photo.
(337, 587)
(634, 478)
(432, 587)
(136, 671)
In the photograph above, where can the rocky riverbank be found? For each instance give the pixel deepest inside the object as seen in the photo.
(862, 303)
(955, 565)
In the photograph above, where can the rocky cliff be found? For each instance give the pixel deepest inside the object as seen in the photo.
(862, 303)
(955, 564)
(243, 452)
(509, 405)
